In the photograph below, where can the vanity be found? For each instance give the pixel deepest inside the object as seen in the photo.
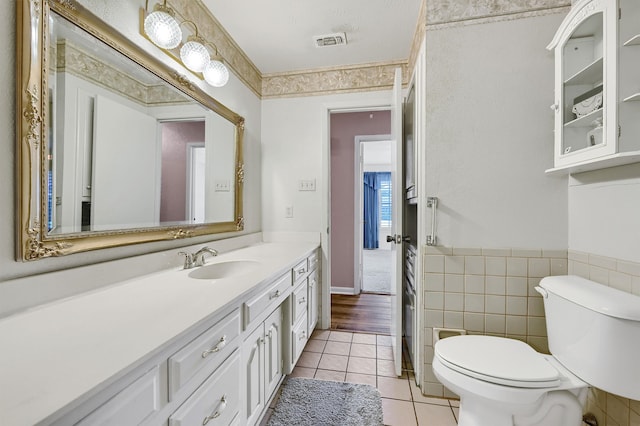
(208, 345)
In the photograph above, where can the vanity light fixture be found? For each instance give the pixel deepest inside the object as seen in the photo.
(162, 28)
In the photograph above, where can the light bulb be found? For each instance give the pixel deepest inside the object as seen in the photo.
(162, 28)
(216, 73)
(194, 55)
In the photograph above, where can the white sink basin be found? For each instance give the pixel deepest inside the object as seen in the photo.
(230, 268)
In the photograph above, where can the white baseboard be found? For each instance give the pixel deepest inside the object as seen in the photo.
(343, 290)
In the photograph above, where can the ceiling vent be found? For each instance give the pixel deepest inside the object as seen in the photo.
(337, 39)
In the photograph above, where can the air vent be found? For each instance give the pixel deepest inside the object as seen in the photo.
(337, 39)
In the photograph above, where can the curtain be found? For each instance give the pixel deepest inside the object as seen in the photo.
(370, 210)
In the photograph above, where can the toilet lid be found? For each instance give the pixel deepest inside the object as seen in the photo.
(497, 360)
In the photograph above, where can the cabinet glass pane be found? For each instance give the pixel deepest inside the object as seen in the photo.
(583, 91)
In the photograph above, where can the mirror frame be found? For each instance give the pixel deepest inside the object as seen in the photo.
(32, 40)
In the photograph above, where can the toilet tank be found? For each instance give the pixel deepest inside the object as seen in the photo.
(594, 331)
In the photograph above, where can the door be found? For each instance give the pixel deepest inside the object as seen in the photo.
(396, 222)
(253, 364)
(273, 352)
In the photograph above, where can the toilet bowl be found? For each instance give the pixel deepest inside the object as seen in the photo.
(593, 332)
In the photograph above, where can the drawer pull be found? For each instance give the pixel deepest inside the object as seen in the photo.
(218, 412)
(217, 348)
(301, 271)
(274, 295)
(302, 300)
(303, 335)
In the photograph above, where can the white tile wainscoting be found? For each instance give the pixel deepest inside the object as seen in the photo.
(485, 291)
(610, 410)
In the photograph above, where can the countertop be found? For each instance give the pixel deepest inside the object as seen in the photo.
(54, 354)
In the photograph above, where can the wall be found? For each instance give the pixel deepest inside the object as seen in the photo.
(344, 128)
(16, 295)
(502, 224)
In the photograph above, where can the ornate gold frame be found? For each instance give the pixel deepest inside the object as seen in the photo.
(32, 240)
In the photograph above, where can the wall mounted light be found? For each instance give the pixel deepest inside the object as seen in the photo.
(164, 30)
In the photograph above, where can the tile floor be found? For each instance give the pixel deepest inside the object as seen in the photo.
(367, 358)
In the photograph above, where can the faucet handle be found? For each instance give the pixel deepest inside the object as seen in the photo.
(188, 259)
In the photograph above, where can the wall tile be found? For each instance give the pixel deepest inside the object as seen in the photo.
(474, 265)
(495, 285)
(434, 282)
(578, 256)
(620, 281)
(561, 254)
(494, 304)
(635, 285)
(459, 251)
(516, 325)
(516, 305)
(578, 268)
(454, 283)
(496, 266)
(495, 324)
(602, 261)
(447, 251)
(496, 252)
(516, 267)
(453, 301)
(539, 267)
(434, 318)
(558, 266)
(454, 264)
(540, 344)
(599, 275)
(434, 300)
(434, 263)
(630, 268)
(526, 253)
(474, 303)
(453, 319)
(517, 286)
(535, 306)
(536, 327)
(473, 322)
(532, 283)
(474, 284)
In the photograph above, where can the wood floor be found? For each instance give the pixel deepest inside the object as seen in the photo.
(365, 312)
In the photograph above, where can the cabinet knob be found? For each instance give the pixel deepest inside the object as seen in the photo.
(302, 300)
(303, 335)
(217, 412)
(301, 271)
(221, 344)
(555, 107)
(275, 295)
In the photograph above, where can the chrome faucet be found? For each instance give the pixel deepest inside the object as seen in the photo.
(188, 259)
(198, 258)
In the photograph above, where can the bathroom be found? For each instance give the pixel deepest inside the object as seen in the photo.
(502, 222)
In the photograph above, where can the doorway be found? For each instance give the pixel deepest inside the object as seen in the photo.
(351, 310)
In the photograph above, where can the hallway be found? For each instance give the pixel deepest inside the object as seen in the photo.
(365, 312)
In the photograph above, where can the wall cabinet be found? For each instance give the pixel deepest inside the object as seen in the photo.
(597, 86)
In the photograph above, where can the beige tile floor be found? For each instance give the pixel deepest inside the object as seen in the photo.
(367, 358)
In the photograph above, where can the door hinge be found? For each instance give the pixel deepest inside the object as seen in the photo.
(620, 13)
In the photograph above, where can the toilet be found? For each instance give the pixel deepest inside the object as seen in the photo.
(594, 339)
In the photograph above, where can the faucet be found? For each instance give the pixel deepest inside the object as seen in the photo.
(192, 260)
(198, 258)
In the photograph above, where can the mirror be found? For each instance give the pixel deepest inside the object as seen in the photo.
(114, 146)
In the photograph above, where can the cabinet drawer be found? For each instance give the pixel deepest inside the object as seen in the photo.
(271, 298)
(299, 271)
(298, 302)
(313, 261)
(299, 338)
(132, 405)
(205, 353)
(216, 402)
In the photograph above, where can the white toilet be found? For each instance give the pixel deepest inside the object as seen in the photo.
(594, 339)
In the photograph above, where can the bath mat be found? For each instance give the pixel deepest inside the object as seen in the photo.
(311, 402)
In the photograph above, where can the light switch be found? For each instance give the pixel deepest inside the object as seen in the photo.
(222, 185)
(288, 211)
(307, 185)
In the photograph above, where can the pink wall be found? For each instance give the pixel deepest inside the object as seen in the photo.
(344, 128)
(175, 136)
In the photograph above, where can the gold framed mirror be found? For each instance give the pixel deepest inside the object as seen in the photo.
(113, 146)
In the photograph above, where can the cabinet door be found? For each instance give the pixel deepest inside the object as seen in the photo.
(253, 374)
(273, 351)
(312, 303)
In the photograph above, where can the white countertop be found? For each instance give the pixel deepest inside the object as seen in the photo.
(54, 354)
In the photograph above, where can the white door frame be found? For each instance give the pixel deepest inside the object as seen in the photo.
(358, 235)
(378, 103)
(190, 189)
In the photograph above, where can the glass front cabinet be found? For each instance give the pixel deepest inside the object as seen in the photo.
(597, 86)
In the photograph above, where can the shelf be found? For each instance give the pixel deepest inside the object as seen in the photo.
(635, 40)
(634, 97)
(585, 120)
(596, 164)
(590, 74)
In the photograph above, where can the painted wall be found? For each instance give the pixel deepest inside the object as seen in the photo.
(490, 135)
(344, 128)
(175, 137)
(16, 295)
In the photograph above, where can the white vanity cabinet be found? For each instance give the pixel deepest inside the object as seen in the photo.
(262, 366)
(597, 86)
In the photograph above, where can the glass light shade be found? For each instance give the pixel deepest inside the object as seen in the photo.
(216, 73)
(194, 55)
(163, 29)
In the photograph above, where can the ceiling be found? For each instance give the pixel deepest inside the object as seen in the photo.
(278, 35)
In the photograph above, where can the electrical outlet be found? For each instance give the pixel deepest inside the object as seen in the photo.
(307, 185)
(288, 211)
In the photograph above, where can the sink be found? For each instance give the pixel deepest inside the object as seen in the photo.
(227, 269)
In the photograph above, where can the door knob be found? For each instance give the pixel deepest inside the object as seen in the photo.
(391, 238)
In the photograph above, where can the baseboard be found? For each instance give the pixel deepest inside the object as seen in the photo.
(343, 290)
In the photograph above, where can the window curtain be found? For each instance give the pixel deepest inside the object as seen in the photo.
(370, 210)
